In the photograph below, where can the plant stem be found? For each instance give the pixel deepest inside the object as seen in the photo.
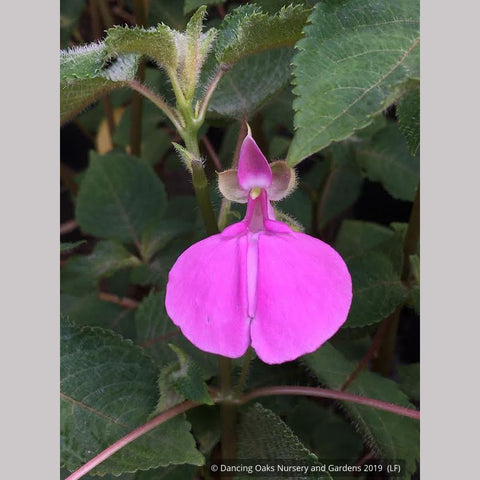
(384, 362)
(228, 411)
(157, 100)
(376, 342)
(124, 302)
(211, 88)
(244, 373)
(334, 394)
(200, 185)
(130, 437)
(213, 155)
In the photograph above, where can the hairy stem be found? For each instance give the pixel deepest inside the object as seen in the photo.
(333, 394)
(213, 155)
(208, 94)
(157, 100)
(130, 437)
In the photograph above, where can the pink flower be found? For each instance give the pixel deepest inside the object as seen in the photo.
(258, 282)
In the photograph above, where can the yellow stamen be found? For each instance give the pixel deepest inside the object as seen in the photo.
(255, 192)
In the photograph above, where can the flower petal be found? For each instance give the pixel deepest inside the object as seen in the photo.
(284, 181)
(230, 188)
(304, 292)
(253, 168)
(207, 295)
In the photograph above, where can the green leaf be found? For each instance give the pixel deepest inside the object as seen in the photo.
(82, 62)
(195, 46)
(89, 310)
(179, 381)
(377, 289)
(76, 276)
(248, 30)
(357, 237)
(264, 435)
(325, 432)
(348, 66)
(159, 236)
(108, 388)
(119, 198)
(342, 189)
(385, 158)
(109, 257)
(408, 112)
(67, 247)
(173, 472)
(391, 436)
(85, 77)
(250, 83)
(157, 43)
(206, 426)
(410, 380)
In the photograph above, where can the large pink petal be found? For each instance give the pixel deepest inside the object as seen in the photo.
(304, 292)
(253, 168)
(207, 295)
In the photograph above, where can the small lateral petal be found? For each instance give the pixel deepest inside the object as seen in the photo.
(230, 188)
(206, 293)
(304, 293)
(253, 168)
(284, 181)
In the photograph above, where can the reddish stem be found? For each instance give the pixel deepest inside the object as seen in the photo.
(212, 153)
(123, 302)
(336, 395)
(68, 227)
(130, 437)
(376, 342)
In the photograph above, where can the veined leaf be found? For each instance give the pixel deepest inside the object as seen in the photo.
(108, 389)
(385, 158)
(85, 77)
(251, 83)
(157, 43)
(391, 436)
(408, 112)
(248, 30)
(179, 381)
(324, 431)
(410, 380)
(108, 257)
(119, 198)
(89, 310)
(377, 289)
(354, 55)
(265, 436)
